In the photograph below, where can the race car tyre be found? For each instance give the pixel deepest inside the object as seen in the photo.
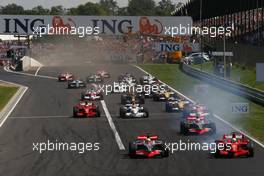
(155, 98)
(98, 113)
(165, 153)
(101, 96)
(142, 100)
(75, 113)
(123, 99)
(212, 127)
(168, 108)
(121, 113)
(146, 112)
(142, 81)
(230, 155)
(183, 129)
(132, 150)
(217, 154)
(250, 150)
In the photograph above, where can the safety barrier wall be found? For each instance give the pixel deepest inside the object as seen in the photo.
(237, 88)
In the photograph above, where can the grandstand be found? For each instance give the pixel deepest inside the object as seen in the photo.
(247, 17)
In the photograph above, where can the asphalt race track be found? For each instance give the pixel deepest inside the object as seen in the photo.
(44, 113)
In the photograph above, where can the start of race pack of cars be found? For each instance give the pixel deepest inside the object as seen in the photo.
(196, 118)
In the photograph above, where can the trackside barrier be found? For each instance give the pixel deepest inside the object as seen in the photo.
(237, 88)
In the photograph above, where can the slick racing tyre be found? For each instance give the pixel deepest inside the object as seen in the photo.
(183, 129)
(165, 152)
(121, 113)
(132, 150)
(212, 127)
(145, 110)
(98, 112)
(250, 150)
(74, 113)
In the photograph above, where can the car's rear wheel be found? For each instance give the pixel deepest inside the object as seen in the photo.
(145, 110)
(121, 112)
(98, 112)
(168, 109)
(132, 150)
(75, 113)
(155, 98)
(183, 129)
(165, 152)
(142, 100)
(250, 150)
(217, 153)
(212, 127)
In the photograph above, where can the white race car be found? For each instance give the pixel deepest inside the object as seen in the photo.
(148, 79)
(91, 94)
(133, 111)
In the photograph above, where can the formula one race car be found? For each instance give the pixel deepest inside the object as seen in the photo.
(94, 79)
(147, 79)
(175, 104)
(78, 83)
(236, 145)
(103, 74)
(197, 123)
(127, 78)
(164, 95)
(65, 77)
(133, 111)
(148, 146)
(132, 97)
(92, 94)
(85, 109)
(194, 108)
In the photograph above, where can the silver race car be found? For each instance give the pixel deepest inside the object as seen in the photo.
(133, 111)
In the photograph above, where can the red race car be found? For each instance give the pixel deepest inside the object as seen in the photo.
(148, 146)
(197, 123)
(236, 145)
(86, 109)
(103, 74)
(65, 77)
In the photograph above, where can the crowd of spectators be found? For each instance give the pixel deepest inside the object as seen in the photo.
(254, 38)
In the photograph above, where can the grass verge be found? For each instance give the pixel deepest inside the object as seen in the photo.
(243, 75)
(6, 93)
(217, 99)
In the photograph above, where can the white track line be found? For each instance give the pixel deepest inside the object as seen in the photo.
(216, 116)
(36, 73)
(28, 74)
(112, 125)
(23, 89)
